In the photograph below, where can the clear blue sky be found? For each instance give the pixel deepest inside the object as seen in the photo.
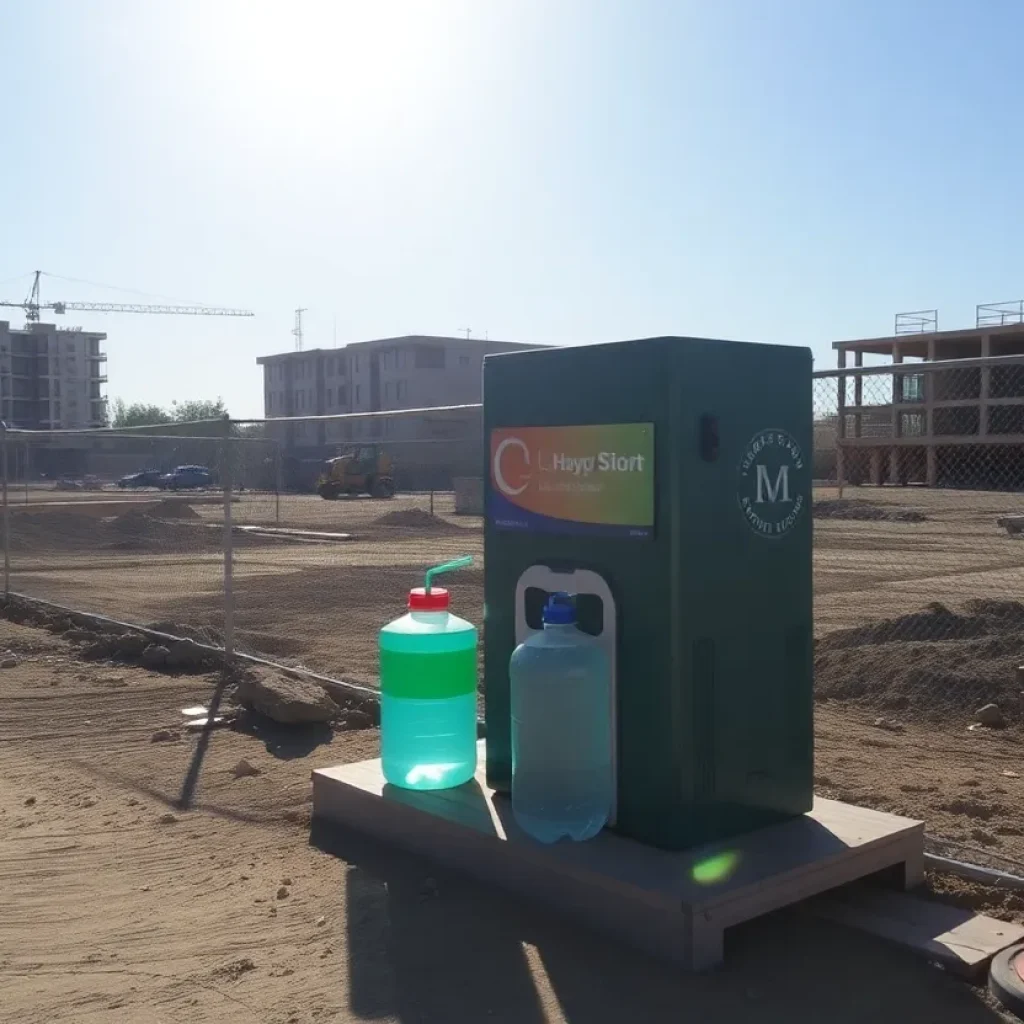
(546, 170)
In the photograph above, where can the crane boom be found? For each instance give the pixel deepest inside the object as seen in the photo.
(32, 306)
(121, 307)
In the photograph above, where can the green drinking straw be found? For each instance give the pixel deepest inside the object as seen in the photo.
(455, 563)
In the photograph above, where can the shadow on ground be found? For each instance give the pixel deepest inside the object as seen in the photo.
(431, 947)
(284, 742)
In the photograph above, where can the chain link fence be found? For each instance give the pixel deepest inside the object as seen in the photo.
(101, 521)
(918, 521)
(292, 540)
(365, 505)
(309, 532)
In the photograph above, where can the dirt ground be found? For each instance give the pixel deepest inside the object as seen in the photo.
(889, 552)
(318, 605)
(120, 905)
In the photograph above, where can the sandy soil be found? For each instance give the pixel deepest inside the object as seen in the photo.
(320, 605)
(314, 604)
(122, 906)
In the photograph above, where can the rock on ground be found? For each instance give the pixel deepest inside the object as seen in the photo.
(990, 715)
(186, 654)
(79, 636)
(154, 657)
(888, 724)
(244, 769)
(289, 701)
(130, 645)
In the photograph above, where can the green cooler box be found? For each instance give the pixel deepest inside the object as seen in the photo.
(666, 482)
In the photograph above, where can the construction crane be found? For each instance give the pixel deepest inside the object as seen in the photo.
(32, 305)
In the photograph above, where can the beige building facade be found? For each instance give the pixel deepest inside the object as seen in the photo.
(386, 374)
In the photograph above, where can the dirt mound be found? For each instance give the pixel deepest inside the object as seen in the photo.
(174, 510)
(132, 520)
(59, 530)
(167, 527)
(149, 514)
(414, 517)
(934, 622)
(202, 635)
(141, 529)
(936, 663)
(846, 508)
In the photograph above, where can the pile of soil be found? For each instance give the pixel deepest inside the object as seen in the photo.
(845, 508)
(201, 634)
(165, 528)
(56, 531)
(417, 518)
(933, 664)
(174, 510)
(141, 529)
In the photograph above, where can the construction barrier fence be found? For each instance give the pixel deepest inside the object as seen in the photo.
(217, 526)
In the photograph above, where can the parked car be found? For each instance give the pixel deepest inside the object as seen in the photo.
(144, 478)
(183, 477)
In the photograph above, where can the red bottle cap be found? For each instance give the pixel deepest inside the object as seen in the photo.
(435, 601)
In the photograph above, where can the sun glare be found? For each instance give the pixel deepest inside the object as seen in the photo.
(336, 62)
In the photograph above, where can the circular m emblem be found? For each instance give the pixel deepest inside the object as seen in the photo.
(771, 483)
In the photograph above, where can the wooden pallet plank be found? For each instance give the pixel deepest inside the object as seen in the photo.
(652, 898)
(962, 941)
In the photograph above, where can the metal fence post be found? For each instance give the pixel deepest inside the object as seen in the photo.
(24, 467)
(7, 515)
(841, 433)
(278, 471)
(229, 597)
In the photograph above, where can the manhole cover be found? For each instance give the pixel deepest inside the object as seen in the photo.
(1006, 978)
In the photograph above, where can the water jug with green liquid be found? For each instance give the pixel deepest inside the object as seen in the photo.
(428, 691)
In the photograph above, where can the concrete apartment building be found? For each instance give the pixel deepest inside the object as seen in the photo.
(410, 372)
(946, 427)
(52, 377)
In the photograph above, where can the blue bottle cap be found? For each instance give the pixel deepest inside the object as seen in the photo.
(560, 609)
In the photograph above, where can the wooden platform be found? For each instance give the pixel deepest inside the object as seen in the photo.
(673, 905)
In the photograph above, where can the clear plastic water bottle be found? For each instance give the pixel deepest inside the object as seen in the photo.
(562, 779)
(428, 692)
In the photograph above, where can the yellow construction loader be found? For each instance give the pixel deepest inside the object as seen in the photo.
(362, 470)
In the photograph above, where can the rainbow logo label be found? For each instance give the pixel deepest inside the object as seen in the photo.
(595, 480)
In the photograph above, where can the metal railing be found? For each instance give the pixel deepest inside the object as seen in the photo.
(917, 321)
(999, 314)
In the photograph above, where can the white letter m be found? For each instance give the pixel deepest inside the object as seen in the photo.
(764, 485)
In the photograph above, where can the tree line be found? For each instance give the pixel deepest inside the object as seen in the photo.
(141, 414)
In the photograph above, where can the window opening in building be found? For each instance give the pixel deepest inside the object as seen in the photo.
(429, 357)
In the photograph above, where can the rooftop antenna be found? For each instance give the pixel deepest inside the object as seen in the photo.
(297, 329)
(468, 330)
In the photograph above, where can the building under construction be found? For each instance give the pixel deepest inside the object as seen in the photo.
(52, 377)
(954, 417)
